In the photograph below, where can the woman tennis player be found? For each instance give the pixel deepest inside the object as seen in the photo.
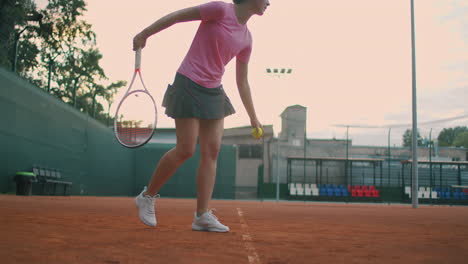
(197, 101)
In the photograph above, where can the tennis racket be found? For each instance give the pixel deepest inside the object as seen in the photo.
(136, 115)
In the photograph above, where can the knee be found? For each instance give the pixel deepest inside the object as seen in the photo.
(210, 153)
(185, 151)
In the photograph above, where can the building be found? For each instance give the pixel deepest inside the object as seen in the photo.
(290, 143)
(251, 153)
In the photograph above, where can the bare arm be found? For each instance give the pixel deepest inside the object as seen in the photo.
(183, 15)
(244, 92)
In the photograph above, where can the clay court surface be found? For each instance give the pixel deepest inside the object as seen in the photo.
(40, 229)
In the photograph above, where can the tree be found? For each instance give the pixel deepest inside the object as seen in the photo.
(461, 140)
(14, 17)
(60, 55)
(408, 138)
(447, 135)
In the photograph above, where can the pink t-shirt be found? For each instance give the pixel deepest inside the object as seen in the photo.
(219, 38)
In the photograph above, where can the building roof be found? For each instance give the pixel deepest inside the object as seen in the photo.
(437, 162)
(293, 107)
(246, 131)
(335, 159)
(296, 106)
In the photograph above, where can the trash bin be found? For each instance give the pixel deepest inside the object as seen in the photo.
(24, 182)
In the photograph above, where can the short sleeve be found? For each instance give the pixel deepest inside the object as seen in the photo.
(211, 11)
(244, 55)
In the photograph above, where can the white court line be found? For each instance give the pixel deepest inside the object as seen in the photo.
(252, 253)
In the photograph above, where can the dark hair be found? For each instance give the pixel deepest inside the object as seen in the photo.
(238, 1)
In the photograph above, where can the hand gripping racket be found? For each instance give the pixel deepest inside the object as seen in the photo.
(136, 115)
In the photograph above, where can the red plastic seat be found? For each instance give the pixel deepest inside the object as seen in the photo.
(375, 193)
(357, 187)
(364, 187)
(354, 193)
(350, 188)
(360, 193)
(372, 187)
(367, 193)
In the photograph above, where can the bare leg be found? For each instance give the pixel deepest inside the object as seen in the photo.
(210, 135)
(187, 133)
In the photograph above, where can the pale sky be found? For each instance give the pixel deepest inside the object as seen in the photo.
(351, 61)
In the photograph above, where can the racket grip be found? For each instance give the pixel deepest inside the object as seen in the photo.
(138, 59)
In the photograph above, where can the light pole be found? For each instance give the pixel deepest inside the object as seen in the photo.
(414, 191)
(347, 154)
(278, 73)
(430, 162)
(389, 154)
(34, 17)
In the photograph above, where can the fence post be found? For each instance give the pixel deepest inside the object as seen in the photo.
(440, 176)
(459, 175)
(373, 163)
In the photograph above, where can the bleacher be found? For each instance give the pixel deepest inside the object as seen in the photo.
(332, 190)
(443, 193)
(364, 191)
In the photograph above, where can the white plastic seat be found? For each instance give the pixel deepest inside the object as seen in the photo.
(299, 185)
(300, 191)
(408, 190)
(307, 191)
(315, 192)
(313, 186)
(434, 195)
(292, 190)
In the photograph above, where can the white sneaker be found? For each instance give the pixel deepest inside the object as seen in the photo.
(208, 222)
(145, 204)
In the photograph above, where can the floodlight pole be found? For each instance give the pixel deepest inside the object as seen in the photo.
(305, 147)
(34, 18)
(389, 153)
(347, 155)
(414, 191)
(278, 172)
(279, 73)
(430, 161)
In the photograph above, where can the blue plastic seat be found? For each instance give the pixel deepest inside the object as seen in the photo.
(330, 192)
(456, 195)
(337, 192)
(447, 195)
(463, 196)
(344, 191)
(323, 191)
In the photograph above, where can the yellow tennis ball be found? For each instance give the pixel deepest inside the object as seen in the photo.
(257, 132)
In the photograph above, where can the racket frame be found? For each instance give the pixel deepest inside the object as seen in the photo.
(136, 73)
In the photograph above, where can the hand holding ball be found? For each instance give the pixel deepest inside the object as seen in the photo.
(257, 132)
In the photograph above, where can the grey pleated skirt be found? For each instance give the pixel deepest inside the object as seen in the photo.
(187, 99)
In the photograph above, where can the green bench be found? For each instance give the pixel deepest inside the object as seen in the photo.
(51, 179)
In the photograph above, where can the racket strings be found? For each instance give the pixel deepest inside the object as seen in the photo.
(133, 135)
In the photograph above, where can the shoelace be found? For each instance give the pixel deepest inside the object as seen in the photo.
(210, 213)
(150, 201)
